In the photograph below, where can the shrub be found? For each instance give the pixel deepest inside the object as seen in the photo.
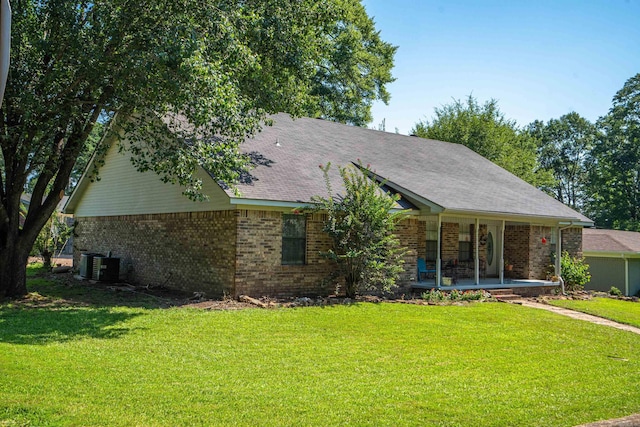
(575, 272)
(361, 223)
(615, 291)
(436, 295)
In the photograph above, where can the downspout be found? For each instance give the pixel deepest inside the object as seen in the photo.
(559, 255)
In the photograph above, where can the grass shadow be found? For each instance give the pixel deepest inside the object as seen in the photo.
(59, 308)
(30, 325)
(64, 289)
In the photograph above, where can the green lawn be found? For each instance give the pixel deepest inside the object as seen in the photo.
(621, 311)
(113, 361)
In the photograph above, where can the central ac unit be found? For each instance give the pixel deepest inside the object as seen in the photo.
(106, 269)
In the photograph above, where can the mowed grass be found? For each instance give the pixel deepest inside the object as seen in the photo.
(618, 310)
(127, 363)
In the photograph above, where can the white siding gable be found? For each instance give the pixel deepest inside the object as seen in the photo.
(122, 190)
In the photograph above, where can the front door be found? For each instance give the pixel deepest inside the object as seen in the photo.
(493, 250)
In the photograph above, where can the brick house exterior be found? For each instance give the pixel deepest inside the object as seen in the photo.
(231, 253)
(232, 244)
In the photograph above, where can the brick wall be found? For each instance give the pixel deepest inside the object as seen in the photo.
(572, 241)
(412, 235)
(516, 249)
(259, 269)
(539, 252)
(229, 252)
(450, 245)
(187, 251)
(531, 258)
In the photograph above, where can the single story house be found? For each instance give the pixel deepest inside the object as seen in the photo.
(467, 217)
(614, 260)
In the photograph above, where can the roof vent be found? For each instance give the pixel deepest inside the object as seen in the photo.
(278, 143)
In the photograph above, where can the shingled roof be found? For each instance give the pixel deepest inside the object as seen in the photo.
(444, 176)
(600, 240)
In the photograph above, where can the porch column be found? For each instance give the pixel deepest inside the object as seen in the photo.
(559, 252)
(626, 276)
(501, 268)
(438, 262)
(476, 253)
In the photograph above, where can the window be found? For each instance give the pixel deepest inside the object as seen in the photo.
(294, 239)
(464, 243)
(432, 241)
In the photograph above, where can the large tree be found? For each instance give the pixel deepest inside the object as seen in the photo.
(486, 130)
(614, 164)
(187, 81)
(563, 147)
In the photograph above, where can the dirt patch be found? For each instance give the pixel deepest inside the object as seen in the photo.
(65, 260)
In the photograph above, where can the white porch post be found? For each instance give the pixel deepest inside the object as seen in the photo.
(501, 267)
(626, 276)
(559, 252)
(438, 262)
(476, 253)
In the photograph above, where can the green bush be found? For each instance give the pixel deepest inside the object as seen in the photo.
(361, 224)
(575, 272)
(615, 291)
(436, 295)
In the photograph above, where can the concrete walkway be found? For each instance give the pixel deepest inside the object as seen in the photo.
(630, 421)
(578, 315)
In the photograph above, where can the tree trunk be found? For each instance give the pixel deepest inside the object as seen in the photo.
(13, 273)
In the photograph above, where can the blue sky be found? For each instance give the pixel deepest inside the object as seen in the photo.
(540, 59)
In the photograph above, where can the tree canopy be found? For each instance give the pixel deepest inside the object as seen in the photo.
(614, 163)
(564, 145)
(486, 130)
(186, 80)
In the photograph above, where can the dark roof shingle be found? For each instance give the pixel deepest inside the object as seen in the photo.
(446, 174)
(600, 240)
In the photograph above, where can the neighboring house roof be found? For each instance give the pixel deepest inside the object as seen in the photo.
(25, 198)
(447, 176)
(600, 240)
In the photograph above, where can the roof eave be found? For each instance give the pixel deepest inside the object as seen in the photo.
(611, 254)
(239, 201)
(513, 216)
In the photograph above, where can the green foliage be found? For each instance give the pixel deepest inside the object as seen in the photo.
(187, 81)
(575, 272)
(614, 164)
(437, 295)
(52, 238)
(360, 223)
(563, 147)
(615, 291)
(485, 130)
